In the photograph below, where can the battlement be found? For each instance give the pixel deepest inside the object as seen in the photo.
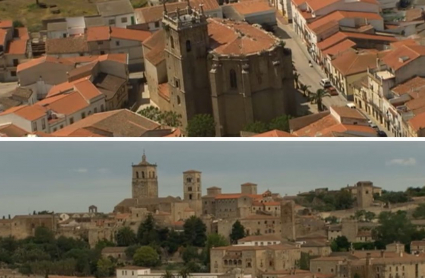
(184, 18)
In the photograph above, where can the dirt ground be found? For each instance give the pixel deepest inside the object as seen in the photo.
(27, 12)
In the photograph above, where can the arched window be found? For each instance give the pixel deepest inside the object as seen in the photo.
(137, 175)
(225, 262)
(188, 46)
(172, 42)
(233, 80)
(178, 100)
(143, 175)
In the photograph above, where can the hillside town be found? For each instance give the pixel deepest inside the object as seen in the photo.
(359, 230)
(205, 68)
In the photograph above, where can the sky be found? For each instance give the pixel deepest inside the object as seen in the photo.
(71, 176)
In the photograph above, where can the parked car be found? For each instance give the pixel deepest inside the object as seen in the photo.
(332, 91)
(325, 83)
(381, 133)
(351, 105)
(372, 124)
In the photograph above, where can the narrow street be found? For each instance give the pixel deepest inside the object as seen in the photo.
(310, 76)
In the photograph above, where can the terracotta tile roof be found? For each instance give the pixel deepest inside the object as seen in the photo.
(22, 33)
(274, 133)
(236, 196)
(76, 44)
(346, 112)
(260, 238)
(38, 61)
(157, 38)
(351, 62)
(403, 42)
(60, 88)
(113, 250)
(260, 217)
(82, 71)
(413, 14)
(340, 15)
(340, 47)
(90, 132)
(11, 130)
(156, 45)
(320, 4)
(415, 84)
(418, 243)
(340, 36)
(27, 112)
(87, 89)
(250, 7)
(122, 123)
(230, 37)
(298, 2)
(306, 14)
(415, 103)
(129, 34)
(154, 13)
(17, 47)
(5, 24)
(394, 59)
(66, 104)
(164, 91)
(3, 34)
(332, 40)
(116, 57)
(98, 33)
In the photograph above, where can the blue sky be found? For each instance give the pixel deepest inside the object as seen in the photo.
(71, 176)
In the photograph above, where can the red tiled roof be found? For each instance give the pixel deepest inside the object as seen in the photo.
(236, 196)
(64, 104)
(27, 112)
(414, 84)
(340, 36)
(351, 62)
(250, 7)
(320, 4)
(11, 130)
(17, 47)
(98, 33)
(340, 47)
(4, 24)
(410, 52)
(87, 89)
(129, 34)
(274, 133)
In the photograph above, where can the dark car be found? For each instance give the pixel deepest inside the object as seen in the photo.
(382, 133)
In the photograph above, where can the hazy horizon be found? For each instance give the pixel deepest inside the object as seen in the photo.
(71, 176)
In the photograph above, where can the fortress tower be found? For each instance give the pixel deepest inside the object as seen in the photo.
(192, 188)
(249, 188)
(287, 216)
(364, 194)
(145, 180)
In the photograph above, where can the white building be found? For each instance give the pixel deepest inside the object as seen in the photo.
(119, 13)
(259, 240)
(142, 272)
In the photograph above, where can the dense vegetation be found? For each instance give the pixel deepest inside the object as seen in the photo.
(328, 201)
(44, 254)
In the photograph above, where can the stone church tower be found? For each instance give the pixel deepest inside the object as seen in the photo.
(145, 180)
(192, 189)
(287, 216)
(186, 49)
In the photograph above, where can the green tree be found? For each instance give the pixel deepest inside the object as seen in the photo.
(168, 118)
(17, 23)
(168, 274)
(43, 235)
(190, 253)
(238, 231)
(356, 275)
(394, 227)
(147, 233)
(305, 261)
(280, 123)
(173, 242)
(201, 125)
(125, 237)
(318, 98)
(369, 216)
(146, 256)
(331, 219)
(213, 240)
(339, 244)
(419, 212)
(104, 243)
(256, 127)
(344, 200)
(131, 250)
(105, 267)
(195, 232)
(305, 88)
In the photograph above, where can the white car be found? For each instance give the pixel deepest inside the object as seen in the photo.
(325, 83)
(372, 124)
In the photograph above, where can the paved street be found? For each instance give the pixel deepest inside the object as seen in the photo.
(309, 75)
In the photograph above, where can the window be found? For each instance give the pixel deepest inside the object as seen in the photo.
(157, 24)
(95, 110)
(99, 43)
(102, 52)
(172, 42)
(64, 35)
(43, 124)
(102, 108)
(188, 179)
(71, 121)
(13, 73)
(117, 43)
(178, 100)
(137, 175)
(143, 175)
(176, 83)
(54, 129)
(124, 20)
(83, 115)
(15, 62)
(112, 22)
(188, 46)
(34, 126)
(189, 188)
(233, 81)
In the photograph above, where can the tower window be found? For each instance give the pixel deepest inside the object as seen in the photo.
(189, 188)
(190, 196)
(137, 175)
(233, 81)
(178, 100)
(188, 46)
(172, 42)
(143, 175)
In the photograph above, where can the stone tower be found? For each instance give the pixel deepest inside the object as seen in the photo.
(287, 216)
(145, 180)
(192, 188)
(249, 188)
(364, 194)
(349, 229)
(186, 47)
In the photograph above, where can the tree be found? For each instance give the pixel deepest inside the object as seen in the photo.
(369, 216)
(43, 235)
(296, 79)
(190, 253)
(146, 256)
(305, 261)
(168, 274)
(147, 233)
(105, 267)
(305, 88)
(339, 244)
(195, 232)
(125, 237)
(213, 240)
(394, 227)
(331, 219)
(344, 200)
(280, 123)
(173, 242)
(318, 98)
(419, 212)
(131, 250)
(201, 125)
(168, 118)
(238, 231)
(256, 127)
(104, 243)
